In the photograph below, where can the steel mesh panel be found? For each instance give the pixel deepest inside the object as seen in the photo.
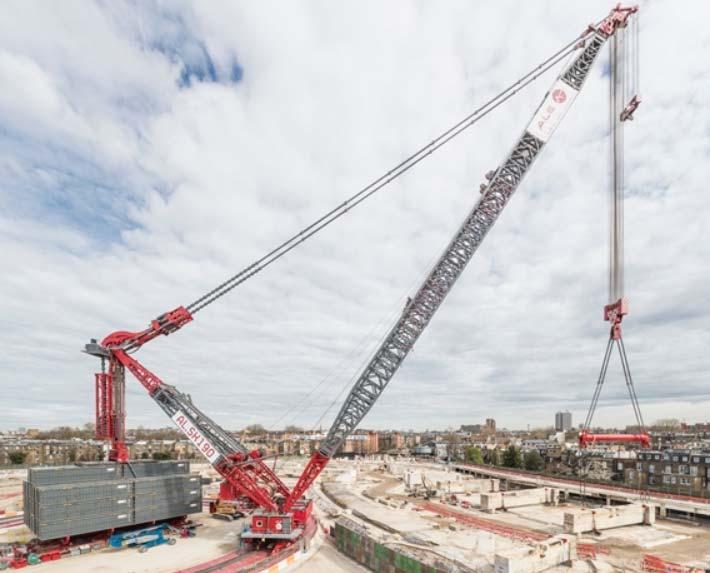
(66, 508)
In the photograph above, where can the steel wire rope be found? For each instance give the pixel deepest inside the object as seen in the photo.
(387, 178)
(388, 319)
(559, 56)
(363, 349)
(337, 368)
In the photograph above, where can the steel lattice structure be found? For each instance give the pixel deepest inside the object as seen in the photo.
(416, 316)
(438, 284)
(246, 473)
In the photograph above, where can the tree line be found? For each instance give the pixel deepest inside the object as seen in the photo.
(511, 457)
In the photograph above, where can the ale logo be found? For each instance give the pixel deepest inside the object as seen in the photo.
(559, 95)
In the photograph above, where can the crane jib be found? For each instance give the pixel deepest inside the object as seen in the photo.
(421, 308)
(459, 252)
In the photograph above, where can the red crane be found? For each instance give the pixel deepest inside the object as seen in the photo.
(282, 513)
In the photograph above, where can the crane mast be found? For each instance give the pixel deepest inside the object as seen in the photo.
(437, 285)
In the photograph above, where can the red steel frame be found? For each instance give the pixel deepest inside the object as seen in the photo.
(104, 406)
(241, 476)
(242, 473)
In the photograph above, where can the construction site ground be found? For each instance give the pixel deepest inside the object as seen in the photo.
(374, 494)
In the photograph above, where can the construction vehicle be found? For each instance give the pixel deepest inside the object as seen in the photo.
(281, 514)
(229, 509)
(143, 538)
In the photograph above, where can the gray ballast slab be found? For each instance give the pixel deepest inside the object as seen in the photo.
(102, 471)
(63, 503)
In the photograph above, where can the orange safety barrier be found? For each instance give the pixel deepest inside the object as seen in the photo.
(51, 555)
(591, 550)
(657, 564)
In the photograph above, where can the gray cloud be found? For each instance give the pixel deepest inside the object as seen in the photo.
(138, 171)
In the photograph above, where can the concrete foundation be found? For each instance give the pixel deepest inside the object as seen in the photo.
(487, 485)
(589, 520)
(492, 501)
(445, 481)
(467, 485)
(556, 551)
(355, 542)
(412, 478)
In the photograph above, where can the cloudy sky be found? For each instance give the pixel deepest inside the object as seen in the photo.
(149, 150)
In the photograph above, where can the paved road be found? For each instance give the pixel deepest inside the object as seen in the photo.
(329, 560)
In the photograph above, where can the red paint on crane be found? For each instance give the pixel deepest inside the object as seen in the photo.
(589, 439)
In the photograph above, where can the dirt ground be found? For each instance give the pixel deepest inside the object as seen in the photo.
(11, 490)
(675, 542)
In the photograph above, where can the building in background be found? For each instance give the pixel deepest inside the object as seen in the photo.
(681, 471)
(490, 425)
(471, 428)
(563, 421)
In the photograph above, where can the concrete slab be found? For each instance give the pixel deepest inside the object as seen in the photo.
(641, 536)
(583, 520)
(493, 501)
(329, 560)
(558, 550)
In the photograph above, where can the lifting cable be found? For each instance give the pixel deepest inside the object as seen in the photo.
(361, 349)
(624, 85)
(294, 411)
(388, 177)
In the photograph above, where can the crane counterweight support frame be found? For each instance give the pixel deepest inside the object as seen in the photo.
(246, 473)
